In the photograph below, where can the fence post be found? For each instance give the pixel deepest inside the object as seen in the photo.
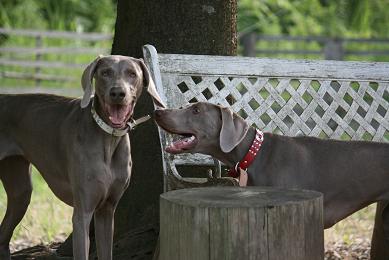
(333, 49)
(248, 41)
(38, 56)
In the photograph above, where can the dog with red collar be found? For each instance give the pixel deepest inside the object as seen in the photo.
(350, 174)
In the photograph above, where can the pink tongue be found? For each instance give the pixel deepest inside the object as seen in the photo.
(180, 145)
(118, 113)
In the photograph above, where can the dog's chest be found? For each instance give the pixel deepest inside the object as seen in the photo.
(117, 157)
(116, 150)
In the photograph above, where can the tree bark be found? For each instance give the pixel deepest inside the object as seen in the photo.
(191, 27)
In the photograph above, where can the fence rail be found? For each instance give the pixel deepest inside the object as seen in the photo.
(46, 59)
(67, 50)
(54, 59)
(286, 46)
(57, 34)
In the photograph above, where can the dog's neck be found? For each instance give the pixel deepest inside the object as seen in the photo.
(237, 154)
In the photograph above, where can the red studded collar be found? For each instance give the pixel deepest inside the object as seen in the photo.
(249, 157)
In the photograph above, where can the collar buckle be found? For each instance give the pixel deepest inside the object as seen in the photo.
(135, 122)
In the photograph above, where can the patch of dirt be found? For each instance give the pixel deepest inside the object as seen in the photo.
(23, 243)
(358, 250)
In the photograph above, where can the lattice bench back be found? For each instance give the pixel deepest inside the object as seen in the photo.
(328, 99)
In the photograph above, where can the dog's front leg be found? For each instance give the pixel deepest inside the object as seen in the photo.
(81, 221)
(104, 220)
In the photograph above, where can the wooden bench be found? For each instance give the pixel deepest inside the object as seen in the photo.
(327, 99)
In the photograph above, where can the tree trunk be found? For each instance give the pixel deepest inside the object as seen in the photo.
(191, 27)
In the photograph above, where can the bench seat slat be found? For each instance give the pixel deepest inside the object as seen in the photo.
(195, 159)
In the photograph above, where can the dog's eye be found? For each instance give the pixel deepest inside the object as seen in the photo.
(196, 110)
(106, 73)
(131, 74)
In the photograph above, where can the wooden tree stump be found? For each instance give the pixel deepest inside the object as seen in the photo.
(241, 223)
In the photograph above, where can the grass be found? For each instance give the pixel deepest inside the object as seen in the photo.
(46, 217)
(358, 226)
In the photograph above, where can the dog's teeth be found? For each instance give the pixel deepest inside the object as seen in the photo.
(191, 138)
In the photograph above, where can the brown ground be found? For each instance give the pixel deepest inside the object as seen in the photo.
(347, 240)
(359, 249)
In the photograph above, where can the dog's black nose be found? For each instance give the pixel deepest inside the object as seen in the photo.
(117, 94)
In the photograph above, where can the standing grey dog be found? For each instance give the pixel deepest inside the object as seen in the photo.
(81, 148)
(350, 174)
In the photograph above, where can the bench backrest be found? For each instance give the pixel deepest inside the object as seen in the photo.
(328, 99)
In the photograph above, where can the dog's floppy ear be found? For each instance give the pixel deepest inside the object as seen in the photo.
(149, 83)
(233, 130)
(87, 81)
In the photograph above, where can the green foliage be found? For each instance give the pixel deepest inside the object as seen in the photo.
(20, 14)
(335, 18)
(279, 16)
(72, 15)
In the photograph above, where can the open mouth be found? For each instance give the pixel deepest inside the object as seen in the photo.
(118, 115)
(184, 143)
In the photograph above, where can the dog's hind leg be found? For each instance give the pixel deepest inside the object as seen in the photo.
(380, 239)
(385, 221)
(16, 178)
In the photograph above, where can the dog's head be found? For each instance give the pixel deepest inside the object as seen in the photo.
(204, 126)
(119, 81)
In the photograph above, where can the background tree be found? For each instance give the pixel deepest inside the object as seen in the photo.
(192, 27)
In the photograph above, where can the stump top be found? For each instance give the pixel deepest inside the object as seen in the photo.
(238, 197)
